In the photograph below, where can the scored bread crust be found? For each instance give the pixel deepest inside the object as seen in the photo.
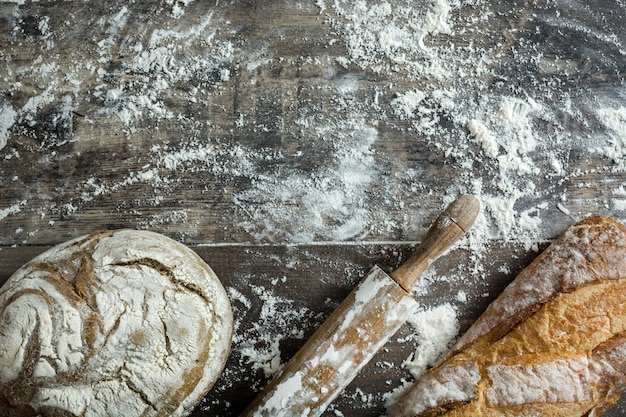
(116, 323)
(552, 344)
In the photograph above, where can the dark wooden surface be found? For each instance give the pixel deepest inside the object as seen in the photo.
(261, 136)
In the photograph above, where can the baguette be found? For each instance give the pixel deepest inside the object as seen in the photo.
(552, 344)
(117, 323)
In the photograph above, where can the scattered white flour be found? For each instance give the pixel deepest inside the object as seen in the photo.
(614, 119)
(7, 119)
(15, 208)
(384, 37)
(181, 56)
(504, 142)
(435, 329)
(330, 204)
(257, 339)
(619, 201)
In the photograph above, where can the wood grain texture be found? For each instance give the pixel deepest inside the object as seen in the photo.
(261, 136)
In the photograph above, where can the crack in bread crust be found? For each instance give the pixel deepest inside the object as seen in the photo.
(167, 272)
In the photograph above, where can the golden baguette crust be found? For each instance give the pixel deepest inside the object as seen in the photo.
(117, 323)
(552, 344)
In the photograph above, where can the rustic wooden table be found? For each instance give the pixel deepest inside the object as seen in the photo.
(294, 144)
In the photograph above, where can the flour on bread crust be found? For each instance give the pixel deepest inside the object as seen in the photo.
(552, 344)
(117, 323)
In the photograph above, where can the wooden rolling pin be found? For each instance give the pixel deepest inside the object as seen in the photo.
(359, 327)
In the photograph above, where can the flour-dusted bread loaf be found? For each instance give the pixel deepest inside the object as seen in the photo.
(117, 323)
(552, 344)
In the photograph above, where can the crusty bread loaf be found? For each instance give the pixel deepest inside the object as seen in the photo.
(552, 344)
(117, 323)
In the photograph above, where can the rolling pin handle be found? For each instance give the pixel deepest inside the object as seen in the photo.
(449, 227)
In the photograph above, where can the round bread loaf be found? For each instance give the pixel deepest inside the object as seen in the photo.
(117, 323)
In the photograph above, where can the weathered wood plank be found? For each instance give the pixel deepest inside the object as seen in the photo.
(202, 155)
